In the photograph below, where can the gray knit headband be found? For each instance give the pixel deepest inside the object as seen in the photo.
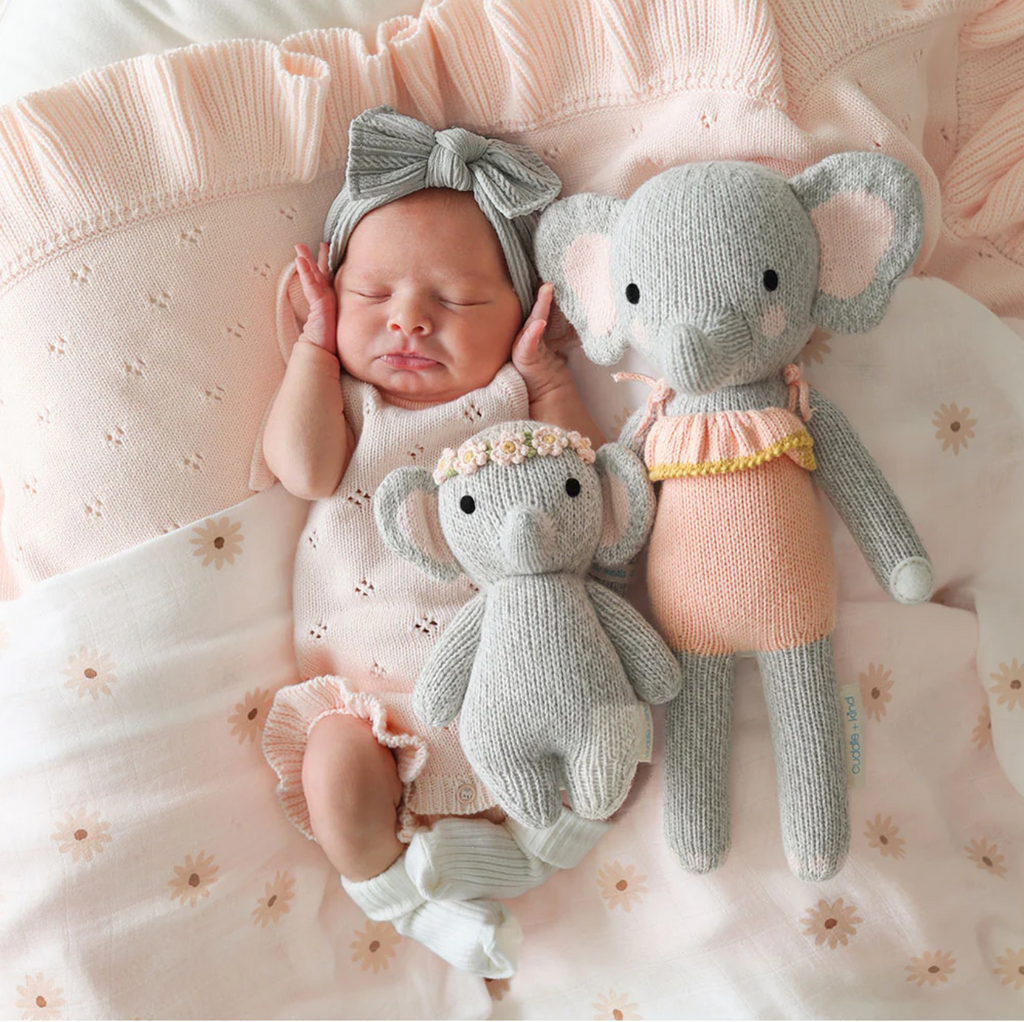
(391, 156)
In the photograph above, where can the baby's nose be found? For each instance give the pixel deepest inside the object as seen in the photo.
(409, 317)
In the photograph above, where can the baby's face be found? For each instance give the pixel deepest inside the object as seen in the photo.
(426, 308)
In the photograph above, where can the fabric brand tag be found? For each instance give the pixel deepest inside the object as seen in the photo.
(646, 734)
(853, 734)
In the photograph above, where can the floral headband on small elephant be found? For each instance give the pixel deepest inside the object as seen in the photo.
(511, 448)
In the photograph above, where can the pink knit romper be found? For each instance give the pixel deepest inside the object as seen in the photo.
(366, 620)
(741, 554)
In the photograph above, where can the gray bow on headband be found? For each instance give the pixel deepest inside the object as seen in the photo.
(391, 156)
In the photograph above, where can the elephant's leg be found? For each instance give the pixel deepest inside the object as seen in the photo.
(597, 778)
(530, 791)
(807, 732)
(697, 731)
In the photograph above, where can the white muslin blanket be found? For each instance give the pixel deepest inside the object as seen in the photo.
(146, 869)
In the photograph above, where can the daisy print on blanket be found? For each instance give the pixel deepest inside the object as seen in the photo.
(511, 448)
(90, 672)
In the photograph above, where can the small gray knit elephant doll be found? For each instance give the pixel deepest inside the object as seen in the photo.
(546, 666)
(718, 273)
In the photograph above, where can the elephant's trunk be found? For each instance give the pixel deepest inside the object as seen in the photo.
(699, 361)
(529, 541)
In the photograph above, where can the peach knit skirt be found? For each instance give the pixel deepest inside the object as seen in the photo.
(742, 561)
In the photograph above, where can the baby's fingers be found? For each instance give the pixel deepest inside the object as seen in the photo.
(314, 281)
(527, 351)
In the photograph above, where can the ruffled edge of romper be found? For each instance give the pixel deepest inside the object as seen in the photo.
(297, 709)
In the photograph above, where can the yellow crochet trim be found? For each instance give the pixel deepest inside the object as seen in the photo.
(800, 440)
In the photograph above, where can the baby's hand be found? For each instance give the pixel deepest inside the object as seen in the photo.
(543, 370)
(549, 384)
(317, 286)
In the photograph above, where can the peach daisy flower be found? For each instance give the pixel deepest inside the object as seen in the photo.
(884, 835)
(954, 427)
(471, 455)
(274, 902)
(549, 440)
(616, 1006)
(375, 946)
(193, 879)
(40, 998)
(250, 715)
(816, 348)
(82, 834)
(986, 856)
(982, 733)
(620, 885)
(497, 988)
(931, 968)
(833, 924)
(875, 684)
(581, 445)
(445, 465)
(217, 541)
(510, 449)
(1011, 968)
(91, 672)
(1009, 687)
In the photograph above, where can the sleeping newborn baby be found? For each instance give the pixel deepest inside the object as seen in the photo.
(418, 343)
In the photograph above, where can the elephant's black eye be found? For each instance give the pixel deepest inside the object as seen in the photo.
(572, 487)
(632, 294)
(468, 504)
(771, 280)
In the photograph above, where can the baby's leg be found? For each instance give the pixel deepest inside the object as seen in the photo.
(353, 791)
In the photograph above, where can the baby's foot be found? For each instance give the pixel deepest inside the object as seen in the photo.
(478, 936)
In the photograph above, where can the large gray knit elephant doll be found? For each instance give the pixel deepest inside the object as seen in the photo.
(547, 666)
(718, 273)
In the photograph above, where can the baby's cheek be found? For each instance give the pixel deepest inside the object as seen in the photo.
(773, 321)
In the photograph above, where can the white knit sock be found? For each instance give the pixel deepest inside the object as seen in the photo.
(472, 859)
(476, 936)
(476, 858)
(565, 843)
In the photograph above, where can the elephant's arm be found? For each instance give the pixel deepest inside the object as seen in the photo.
(441, 686)
(852, 480)
(651, 668)
(632, 436)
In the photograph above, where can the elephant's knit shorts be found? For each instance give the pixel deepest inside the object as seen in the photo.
(741, 554)
(366, 620)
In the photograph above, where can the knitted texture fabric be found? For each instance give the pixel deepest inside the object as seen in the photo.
(147, 207)
(365, 620)
(718, 273)
(544, 668)
(741, 554)
(390, 156)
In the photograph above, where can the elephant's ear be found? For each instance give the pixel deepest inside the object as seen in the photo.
(573, 251)
(869, 214)
(405, 507)
(628, 505)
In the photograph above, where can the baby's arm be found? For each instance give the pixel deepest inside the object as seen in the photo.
(549, 384)
(307, 442)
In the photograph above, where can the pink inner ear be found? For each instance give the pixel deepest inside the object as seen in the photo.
(417, 518)
(587, 268)
(855, 230)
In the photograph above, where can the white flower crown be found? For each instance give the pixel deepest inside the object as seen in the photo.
(511, 449)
